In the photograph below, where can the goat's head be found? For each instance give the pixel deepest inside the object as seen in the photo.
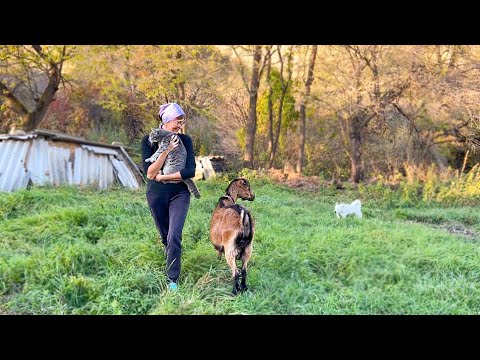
(240, 188)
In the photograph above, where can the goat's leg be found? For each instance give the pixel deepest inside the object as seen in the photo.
(219, 250)
(230, 257)
(245, 258)
(236, 286)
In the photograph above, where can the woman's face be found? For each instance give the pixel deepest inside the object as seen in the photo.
(176, 124)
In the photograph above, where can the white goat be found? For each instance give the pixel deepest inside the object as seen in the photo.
(342, 210)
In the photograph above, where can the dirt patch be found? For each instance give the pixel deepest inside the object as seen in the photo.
(452, 229)
(456, 229)
(295, 180)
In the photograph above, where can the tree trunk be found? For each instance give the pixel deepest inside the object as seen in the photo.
(252, 113)
(308, 83)
(356, 138)
(31, 120)
(34, 118)
(270, 107)
(285, 86)
(277, 130)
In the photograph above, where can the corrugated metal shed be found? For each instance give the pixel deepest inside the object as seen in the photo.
(47, 157)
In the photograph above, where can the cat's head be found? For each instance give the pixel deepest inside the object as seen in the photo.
(157, 135)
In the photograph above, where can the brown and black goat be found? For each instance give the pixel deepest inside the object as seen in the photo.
(232, 229)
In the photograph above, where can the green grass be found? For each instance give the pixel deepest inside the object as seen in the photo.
(70, 251)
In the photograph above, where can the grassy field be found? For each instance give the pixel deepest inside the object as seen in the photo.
(69, 251)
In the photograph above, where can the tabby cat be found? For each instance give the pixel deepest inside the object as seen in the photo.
(175, 160)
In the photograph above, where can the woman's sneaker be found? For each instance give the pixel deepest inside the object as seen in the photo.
(172, 286)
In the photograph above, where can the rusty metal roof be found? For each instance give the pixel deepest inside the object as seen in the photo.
(57, 136)
(45, 157)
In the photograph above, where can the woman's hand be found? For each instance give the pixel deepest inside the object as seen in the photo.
(158, 177)
(173, 143)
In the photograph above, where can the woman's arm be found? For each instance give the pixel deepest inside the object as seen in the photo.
(152, 169)
(155, 167)
(174, 176)
(190, 165)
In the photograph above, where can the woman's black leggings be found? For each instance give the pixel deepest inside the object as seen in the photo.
(169, 210)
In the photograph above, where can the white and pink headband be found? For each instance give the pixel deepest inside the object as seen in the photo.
(170, 111)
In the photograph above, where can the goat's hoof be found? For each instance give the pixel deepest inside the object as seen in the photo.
(244, 288)
(236, 290)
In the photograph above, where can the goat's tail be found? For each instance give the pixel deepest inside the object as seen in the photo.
(247, 222)
(357, 203)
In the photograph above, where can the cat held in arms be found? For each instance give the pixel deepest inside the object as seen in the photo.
(175, 160)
